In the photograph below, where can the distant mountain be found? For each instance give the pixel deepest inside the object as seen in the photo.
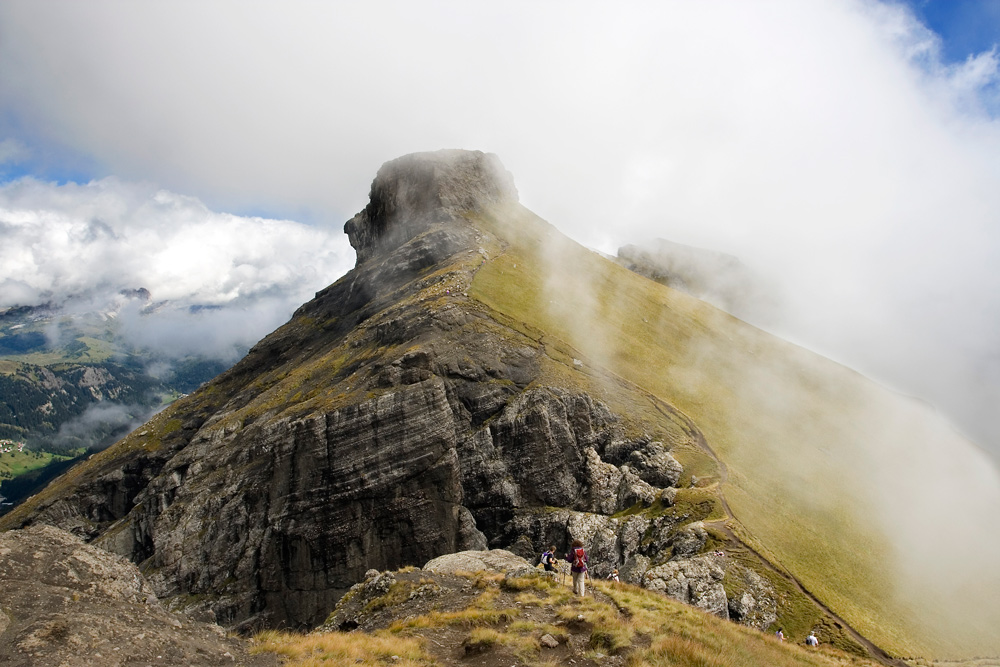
(720, 279)
(478, 380)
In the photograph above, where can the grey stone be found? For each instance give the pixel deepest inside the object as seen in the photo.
(695, 581)
(755, 601)
(688, 541)
(413, 192)
(495, 560)
(59, 594)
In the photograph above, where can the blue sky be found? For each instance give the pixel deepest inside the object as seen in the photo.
(846, 151)
(966, 27)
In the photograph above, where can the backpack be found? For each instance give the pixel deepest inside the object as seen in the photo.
(546, 558)
(578, 555)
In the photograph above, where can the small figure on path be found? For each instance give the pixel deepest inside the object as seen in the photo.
(613, 576)
(780, 634)
(549, 559)
(577, 558)
(811, 640)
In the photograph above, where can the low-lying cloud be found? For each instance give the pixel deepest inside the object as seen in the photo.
(100, 425)
(216, 282)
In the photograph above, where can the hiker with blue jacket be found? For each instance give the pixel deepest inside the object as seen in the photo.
(549, 559)
(577, 558)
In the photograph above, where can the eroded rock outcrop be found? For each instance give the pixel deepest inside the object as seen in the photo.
(696, 581)
(412, 193)
(493, 560)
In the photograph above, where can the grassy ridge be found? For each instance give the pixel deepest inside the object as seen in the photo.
(802, 437)
(507, 620)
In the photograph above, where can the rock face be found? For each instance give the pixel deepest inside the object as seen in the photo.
(696, 581)
(495, 560)
(391, 421)
(412, 193)
(752, 600)
(63, 602)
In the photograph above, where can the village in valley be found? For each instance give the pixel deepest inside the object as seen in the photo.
(8, 446)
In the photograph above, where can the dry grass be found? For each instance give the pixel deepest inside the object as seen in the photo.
(646, 627)
(682, 636)
(342, 649)
(481, 613)
(523, 644)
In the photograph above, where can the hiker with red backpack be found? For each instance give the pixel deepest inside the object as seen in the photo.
(577, 558)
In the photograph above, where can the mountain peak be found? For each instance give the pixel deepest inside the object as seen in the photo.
(413, 192)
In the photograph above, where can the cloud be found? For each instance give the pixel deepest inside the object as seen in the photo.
(217, 282)
(100, 425)
(12, 151)
(825, 144)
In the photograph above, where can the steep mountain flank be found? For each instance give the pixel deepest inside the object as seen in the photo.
(394, 419)
(480, 381)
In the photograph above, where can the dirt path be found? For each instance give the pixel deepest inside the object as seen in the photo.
(723, 525)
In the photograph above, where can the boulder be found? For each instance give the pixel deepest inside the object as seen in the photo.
(495, 560)
(688, 541)
(695, 581)
(752, 599)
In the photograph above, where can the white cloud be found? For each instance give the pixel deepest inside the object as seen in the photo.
(824, 143)
(79, 245)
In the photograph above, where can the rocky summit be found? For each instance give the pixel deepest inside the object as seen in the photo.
(459, 390)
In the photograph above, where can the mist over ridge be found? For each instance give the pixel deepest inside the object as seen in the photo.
(813, 447)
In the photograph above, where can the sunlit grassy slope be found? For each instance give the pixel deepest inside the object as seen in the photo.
(507, 619)
(876, 506)
(16, 463)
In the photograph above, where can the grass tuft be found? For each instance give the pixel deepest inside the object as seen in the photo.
(341, 649)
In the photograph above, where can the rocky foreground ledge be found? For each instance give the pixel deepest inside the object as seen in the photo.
(63, 602)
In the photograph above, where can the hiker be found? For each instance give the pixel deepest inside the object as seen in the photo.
(811, 640)
(613, 576)
(577, 558)
(549, 559)
(780, 634)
